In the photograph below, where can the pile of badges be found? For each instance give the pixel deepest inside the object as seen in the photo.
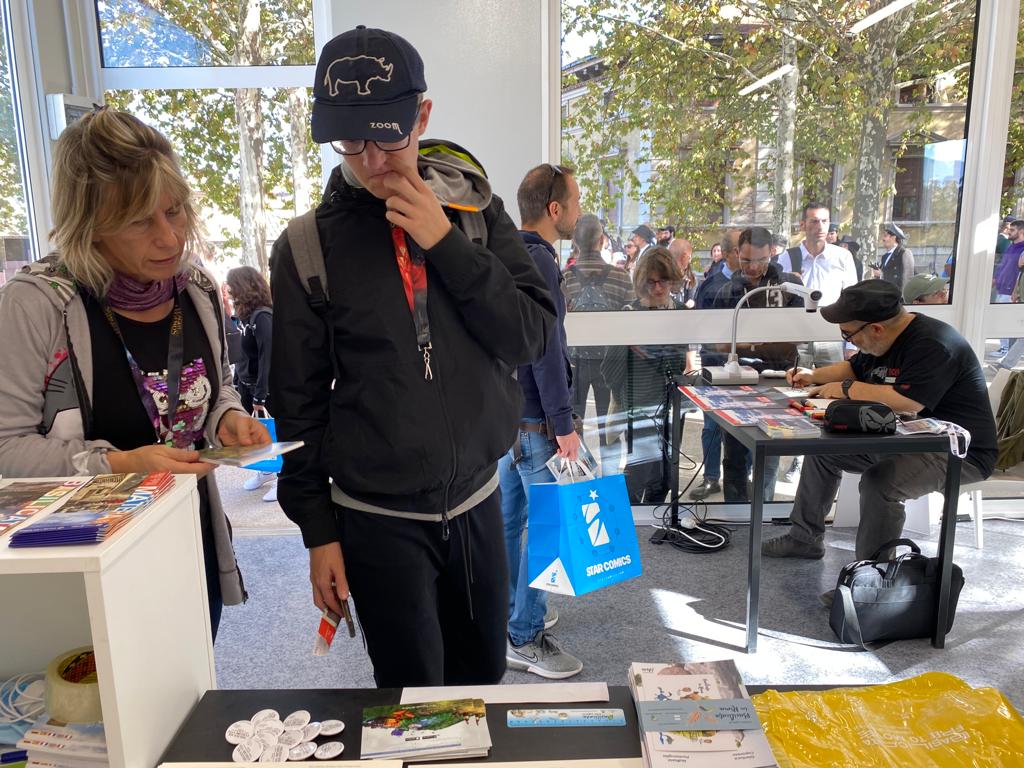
(266, 738)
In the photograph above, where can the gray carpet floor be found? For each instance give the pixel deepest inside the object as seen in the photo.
(683, 607)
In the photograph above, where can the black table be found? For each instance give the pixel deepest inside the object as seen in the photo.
(761, 446)
(201, 738)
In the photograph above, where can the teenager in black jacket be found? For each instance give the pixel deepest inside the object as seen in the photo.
(403, 389)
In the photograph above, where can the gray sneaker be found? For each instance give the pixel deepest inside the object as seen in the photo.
(543, 657)
(550, 617)
(787, 546)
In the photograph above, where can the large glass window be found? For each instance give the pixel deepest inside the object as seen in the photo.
(1009, 262)
(244, 145)
(248, 155)
(15, 243)
(738, 114)
(187, 33)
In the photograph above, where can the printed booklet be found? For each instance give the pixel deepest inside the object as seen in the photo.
(697, 714)
(433, 730)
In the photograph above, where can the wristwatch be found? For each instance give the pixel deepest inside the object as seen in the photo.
(847, 383)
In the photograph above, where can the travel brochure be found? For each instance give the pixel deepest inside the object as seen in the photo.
(243, 455)
(697, 714)
(432, 730)
(22, 499)
(99, 507)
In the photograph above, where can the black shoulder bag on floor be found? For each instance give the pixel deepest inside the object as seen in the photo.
(891, 599)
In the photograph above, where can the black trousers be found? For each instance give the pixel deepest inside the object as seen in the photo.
(587, 374)
(433, 612)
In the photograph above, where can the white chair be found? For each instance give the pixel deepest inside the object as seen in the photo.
(1000, 484)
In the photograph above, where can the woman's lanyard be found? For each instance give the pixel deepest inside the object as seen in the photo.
(414, 279)
(175, 362)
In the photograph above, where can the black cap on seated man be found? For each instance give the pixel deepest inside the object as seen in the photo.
(916, 365)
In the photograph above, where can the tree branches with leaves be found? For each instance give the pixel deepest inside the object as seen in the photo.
(671, 91)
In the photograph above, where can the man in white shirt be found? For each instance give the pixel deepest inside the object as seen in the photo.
(822, 265)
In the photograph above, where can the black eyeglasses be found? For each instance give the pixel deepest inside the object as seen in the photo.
(358, 146)
(555, 173)
(848, 335)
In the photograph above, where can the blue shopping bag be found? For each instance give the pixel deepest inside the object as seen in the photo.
(581, 536)
(268, 465)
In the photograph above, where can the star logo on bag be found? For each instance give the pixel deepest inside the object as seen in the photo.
(593, 495)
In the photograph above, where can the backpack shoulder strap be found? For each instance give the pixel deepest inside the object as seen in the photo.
(796, 258)
(304, 239)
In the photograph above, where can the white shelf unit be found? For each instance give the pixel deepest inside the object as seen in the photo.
(140, 600)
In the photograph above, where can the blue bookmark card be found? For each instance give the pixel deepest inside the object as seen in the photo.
(564, 718)
(698, 715)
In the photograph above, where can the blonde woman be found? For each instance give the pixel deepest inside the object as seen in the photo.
(638, 377)
(113, 345)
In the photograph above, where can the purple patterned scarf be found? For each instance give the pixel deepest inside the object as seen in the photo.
(129, 294)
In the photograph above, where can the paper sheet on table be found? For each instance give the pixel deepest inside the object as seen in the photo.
(607, 762)
(521, 693)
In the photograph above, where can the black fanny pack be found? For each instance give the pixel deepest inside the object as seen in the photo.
(859, 417)
(891, 599)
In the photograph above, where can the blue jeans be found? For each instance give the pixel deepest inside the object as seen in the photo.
(711, 444)
(526, 605)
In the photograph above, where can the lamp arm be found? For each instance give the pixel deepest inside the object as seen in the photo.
(733, 358)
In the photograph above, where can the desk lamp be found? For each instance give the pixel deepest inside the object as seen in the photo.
(734, 373)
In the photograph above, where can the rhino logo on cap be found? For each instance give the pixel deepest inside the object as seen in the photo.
(359, 71)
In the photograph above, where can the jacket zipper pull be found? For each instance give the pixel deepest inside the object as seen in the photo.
(445, 530)
(427, 373)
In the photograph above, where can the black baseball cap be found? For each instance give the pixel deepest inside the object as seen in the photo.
(869, 301)
(367, 86)
(645, 232)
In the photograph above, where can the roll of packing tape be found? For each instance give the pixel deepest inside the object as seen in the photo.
(72, 693)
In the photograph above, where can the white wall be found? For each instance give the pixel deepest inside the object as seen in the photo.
(486, 65)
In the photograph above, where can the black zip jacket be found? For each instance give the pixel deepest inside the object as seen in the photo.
(385, 434)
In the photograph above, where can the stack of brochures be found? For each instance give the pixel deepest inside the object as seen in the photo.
(96, 510)
(436, 730)
(55, 744)
(697, 714)
(790, 424)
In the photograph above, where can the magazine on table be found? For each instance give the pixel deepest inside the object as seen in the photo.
(685, 711)
(432, 730)
(716, 398)
(242, 455)
(20, 500)
(97, 510)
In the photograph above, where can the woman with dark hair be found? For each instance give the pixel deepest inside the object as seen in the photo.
(250, 295)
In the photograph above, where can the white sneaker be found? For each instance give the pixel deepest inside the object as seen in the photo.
(258, 480)
(271, 495)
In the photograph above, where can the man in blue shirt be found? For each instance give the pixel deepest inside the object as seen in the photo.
(549, 205)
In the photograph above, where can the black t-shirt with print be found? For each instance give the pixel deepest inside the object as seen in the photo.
(118, 415)
(931, 364)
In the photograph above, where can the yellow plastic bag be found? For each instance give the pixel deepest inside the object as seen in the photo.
(934, 720)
